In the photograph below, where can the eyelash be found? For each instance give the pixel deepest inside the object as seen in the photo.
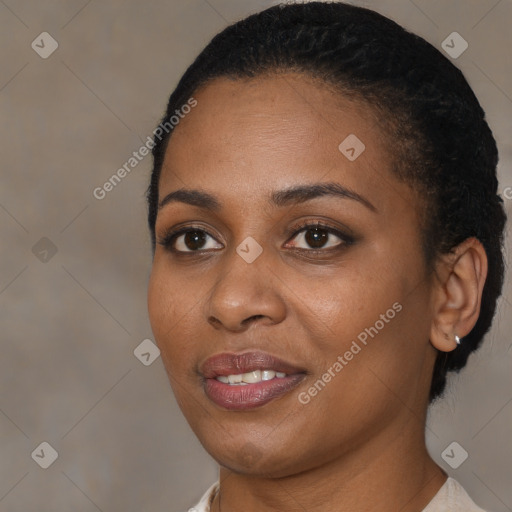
(168, 240)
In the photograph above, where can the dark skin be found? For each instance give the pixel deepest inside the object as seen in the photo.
(358, 445)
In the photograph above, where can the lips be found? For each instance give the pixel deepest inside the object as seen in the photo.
(225, 383)
(229, 364)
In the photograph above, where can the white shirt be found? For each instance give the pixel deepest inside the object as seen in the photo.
(451, 497)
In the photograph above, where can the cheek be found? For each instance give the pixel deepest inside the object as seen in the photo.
(336, 308)
(378, 300)
(169, 306)
(381, 334)
(159, 301)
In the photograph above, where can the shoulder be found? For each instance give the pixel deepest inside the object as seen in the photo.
(452, 497)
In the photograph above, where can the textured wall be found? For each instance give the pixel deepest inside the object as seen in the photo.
(74, 268)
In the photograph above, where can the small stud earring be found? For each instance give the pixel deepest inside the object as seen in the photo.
(457, 340)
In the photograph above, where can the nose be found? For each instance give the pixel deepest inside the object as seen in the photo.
(244, 294)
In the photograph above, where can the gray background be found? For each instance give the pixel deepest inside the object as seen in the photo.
(68, 375)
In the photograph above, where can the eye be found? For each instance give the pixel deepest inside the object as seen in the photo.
(315, 236)
(310, 237)
(189, 239)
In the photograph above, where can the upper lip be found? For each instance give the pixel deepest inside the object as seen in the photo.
(229, 363)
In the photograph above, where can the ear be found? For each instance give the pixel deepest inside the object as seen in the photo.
(457, 293)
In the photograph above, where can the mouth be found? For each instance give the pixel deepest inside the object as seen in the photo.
(248, 380)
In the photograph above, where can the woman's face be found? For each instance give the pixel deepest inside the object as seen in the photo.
(341, 308)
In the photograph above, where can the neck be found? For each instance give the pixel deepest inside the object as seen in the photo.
(389, 473)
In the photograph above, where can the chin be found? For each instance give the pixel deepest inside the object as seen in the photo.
(245, 457)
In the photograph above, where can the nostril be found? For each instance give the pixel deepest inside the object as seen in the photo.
(214, 321)
(234, 326)
(255, 317)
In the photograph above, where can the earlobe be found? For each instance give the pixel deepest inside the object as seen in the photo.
(457, 294)
(445, 341)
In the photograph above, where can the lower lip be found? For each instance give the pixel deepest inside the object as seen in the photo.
(236, 397)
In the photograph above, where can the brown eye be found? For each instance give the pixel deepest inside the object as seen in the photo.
(190, 240)
(194, 240)
(318, 237)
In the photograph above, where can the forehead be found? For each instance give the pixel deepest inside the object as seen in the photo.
(264, 133)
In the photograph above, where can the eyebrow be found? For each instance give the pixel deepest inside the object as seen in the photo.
(287, 197)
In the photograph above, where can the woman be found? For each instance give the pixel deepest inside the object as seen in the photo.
(327, 245)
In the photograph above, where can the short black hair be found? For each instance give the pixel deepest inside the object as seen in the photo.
(446, 149)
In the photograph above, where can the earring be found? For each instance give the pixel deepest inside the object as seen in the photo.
(457, 340)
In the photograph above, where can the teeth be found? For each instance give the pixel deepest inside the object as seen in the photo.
(268, 374)
(252, 377)
(243, 379)
(235, 379)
